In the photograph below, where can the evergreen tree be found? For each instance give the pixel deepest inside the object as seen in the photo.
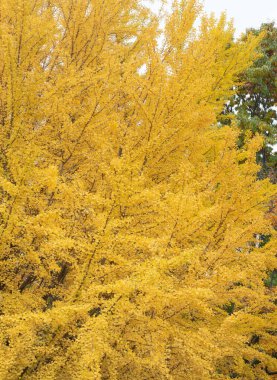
(254, 101)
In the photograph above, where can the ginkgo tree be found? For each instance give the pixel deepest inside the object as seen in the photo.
(128, 219)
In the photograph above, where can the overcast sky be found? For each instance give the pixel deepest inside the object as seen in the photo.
(246, 13)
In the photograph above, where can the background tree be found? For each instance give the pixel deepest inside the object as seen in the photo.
(254, 101)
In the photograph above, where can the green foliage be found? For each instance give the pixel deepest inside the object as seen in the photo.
(253, 103)
(271, 281)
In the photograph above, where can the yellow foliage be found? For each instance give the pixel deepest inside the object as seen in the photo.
(128, 219)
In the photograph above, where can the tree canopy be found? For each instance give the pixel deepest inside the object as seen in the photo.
(128, 219)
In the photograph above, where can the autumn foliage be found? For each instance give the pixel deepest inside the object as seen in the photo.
(129, 220)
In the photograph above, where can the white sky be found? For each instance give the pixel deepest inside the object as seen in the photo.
(246, 13)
